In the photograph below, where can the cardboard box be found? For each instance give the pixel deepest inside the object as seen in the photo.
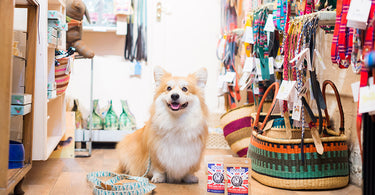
(20, 109)
(16, 128)
(51, 86)
(56, 15)
(59, 25)
(20, 37)
(51, 94)
(18, 77)
(21, 99)
(52, 35)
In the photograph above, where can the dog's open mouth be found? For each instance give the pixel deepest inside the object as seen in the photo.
(175, 106)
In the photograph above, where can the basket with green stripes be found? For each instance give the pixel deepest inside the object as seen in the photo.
(279, 162)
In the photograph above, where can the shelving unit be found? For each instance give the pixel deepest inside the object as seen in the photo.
(98, 29)
(51, 127)
(11, 178)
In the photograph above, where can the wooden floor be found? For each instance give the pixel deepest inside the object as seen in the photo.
(68, 176)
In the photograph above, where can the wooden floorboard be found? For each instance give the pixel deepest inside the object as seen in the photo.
(68, 176)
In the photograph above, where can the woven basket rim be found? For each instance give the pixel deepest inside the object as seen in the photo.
(234, 109)
(341, 137)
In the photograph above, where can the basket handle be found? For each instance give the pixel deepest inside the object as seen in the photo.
(325, 83)
(256, 124)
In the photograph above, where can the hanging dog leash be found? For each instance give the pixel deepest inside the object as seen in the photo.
(113, 186)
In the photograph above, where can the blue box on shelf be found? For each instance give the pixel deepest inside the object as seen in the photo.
(16, 155)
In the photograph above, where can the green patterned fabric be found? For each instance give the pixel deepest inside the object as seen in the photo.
(141, 186)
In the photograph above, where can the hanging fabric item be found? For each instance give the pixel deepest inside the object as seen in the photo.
(128, 54)
(342, 42)
(368, 45)
(261, 46)
(140, 48)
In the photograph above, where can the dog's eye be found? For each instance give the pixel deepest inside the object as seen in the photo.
(169, 88)
(184, 89)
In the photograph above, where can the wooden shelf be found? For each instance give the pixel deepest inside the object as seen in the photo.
(26, 2)
(15, 175)
(98, 29)
(19, 57)
(57, 2)
(54, 46)
(82, 135)
(52, 142)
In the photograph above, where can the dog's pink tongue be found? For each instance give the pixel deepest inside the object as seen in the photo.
(175, 106)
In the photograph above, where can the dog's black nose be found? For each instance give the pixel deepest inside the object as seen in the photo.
(175, 96)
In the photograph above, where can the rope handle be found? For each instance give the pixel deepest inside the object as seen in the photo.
(256, 124)
(338, 99)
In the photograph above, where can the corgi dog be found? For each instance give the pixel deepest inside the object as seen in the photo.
(174, 137)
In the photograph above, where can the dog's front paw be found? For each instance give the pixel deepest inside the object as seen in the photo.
(158, 178)
(190, 178)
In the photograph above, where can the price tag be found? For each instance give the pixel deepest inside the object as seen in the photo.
(257, 65)
(220, 81)
(366, 99)
(271, 65)
(249, 64)
(229, 77)
(358, 14)
(244, 78)
(355, 90)
(269, 24)
(320, 59)
(297, 107)
(285, 90)
(249, 35)
(279, 61)
(256, 88)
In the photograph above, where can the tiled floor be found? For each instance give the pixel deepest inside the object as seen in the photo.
(68, 176)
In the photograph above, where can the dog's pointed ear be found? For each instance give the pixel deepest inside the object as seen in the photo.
(159, 72)
(201, 76)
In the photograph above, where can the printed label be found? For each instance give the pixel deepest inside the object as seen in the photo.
(271, 64)
(249, 35)
(249, 64)
(285, 89)
(238, 180)
(366, 99)
(215, 182)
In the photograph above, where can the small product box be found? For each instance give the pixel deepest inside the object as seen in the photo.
(237, 176)
(51, 94)
(56, 15)
(215, 174)
(52, 35)
(59, 25)
(51, 86)
(20, 109)
(21, 99)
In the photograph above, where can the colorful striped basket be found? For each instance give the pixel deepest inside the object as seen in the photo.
(62, 74)
(236, 124)
(278, 162)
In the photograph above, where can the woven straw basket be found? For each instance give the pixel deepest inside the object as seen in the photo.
(278, 162)
(236, 124)
(62, 75)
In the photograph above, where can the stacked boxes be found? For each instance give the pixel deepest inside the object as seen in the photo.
(21, 104)
(51, 90)
(56, 24)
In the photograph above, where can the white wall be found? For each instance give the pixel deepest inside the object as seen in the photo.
(111, 71)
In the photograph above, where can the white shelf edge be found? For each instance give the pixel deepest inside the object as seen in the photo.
(81, 135)
(98, 29)
(52, 142)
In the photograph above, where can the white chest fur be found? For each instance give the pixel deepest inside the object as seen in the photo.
(180, 145)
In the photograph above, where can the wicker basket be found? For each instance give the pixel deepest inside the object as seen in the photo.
(279, 163)
(62, 74)
(236, 125)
